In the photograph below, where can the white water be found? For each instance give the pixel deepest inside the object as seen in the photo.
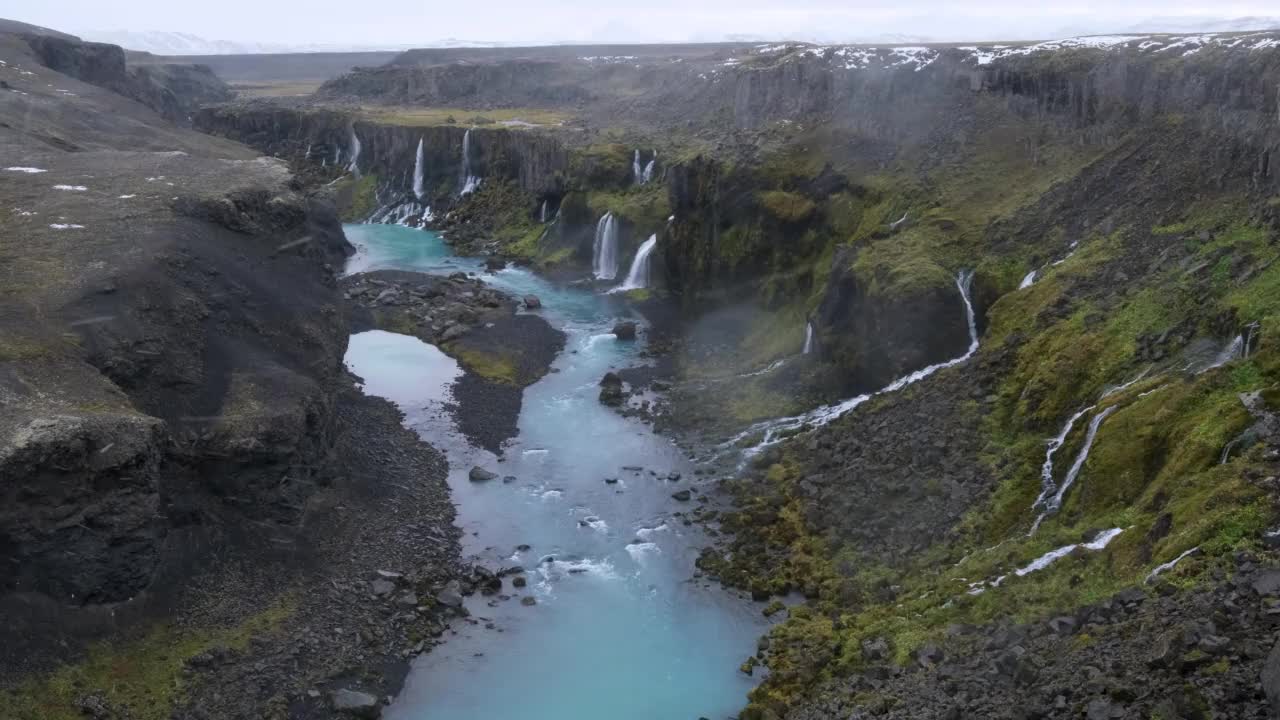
(1163, 568)
(355, 152)
(638, 277)
(1233, 351)
(1053, 504)
(775, 430)
(543, 215)
(418, 172)
(1104, 539)
(648, 169)
(469, 181)
(808, 338)
(1028, 280)
(637, 172)
(898, 223)
(1047, 485)
(604, 254)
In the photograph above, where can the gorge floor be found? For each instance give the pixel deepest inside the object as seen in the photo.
(617, 625)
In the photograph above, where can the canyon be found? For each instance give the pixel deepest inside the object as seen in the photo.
(902, 381)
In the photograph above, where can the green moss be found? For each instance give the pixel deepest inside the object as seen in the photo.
(141, 676)
(786, 206)
(361, 197)
(489, 365)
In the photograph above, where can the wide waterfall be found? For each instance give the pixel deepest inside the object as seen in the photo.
(469, 181)
(638, 277)
(773, 431)
(808, 338)
(604, 255)
(418, 189)
(355, 152)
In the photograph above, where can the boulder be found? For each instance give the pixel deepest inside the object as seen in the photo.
(528, 600)
(531, 302)
(356, 703)
(451, 595)
(625, 330)
(494, 264)
(681, 495)
(479, 474)
(611, 389)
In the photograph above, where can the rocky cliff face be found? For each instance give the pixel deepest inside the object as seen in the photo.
(537, 163)
(171, 346)
(174, 91)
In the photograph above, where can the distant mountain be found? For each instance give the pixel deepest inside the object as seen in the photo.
(178, 43)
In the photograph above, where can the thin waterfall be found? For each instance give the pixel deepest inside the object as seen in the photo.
(808, 338)
(637, 172)
(1028, 280)
(648, 169)
(638, 277)
(337, 154)
(1232, 351)
(418, 170)
(469, 181)
(543, 214)
(604, 256)
(307, 155)
(775, 430)
(355, 152)
(1053, 504)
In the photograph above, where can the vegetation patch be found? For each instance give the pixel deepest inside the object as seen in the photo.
(142, 676)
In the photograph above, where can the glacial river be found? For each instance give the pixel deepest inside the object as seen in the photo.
(620, 630)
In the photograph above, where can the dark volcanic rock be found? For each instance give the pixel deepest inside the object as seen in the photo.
(625, 330)
(479, 474)
(611, 389)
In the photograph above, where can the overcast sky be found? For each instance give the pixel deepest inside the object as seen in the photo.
(409, 22)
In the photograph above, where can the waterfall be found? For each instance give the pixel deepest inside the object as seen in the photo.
(893, 226)
(775, 430)
(1027, 280)
(637, 172)
(543, 214)
(639, 276)
(307, 155)
(1165, 567)
(604, 256)
(808, 338)
(469, 182)
(1232, 351)
(647, 175)
(1053, 504)
(355, 152)
(418, 190)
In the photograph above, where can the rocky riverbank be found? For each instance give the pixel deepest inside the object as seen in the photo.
(502, 351)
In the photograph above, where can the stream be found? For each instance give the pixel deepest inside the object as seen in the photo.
(621, 629)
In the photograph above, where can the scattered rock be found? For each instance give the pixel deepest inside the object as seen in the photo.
(681, 495)
(382, 587)
(528, 600)
(532, 302)
(479, 474)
